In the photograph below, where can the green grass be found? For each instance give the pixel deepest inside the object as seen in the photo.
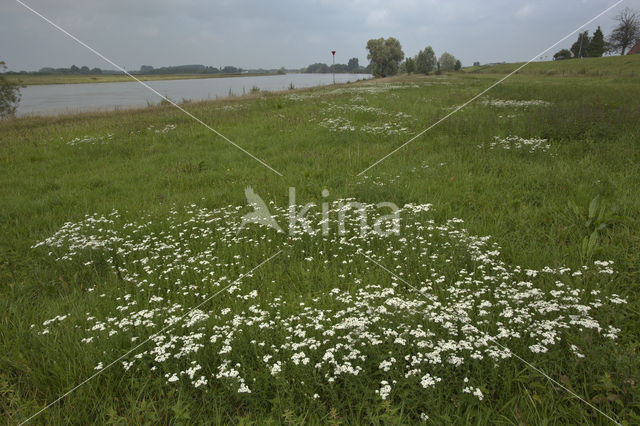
(33, 80)
(618, 66)
(55, 170)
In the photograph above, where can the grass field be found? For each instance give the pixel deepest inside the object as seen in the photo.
(518, 241)
(34, 80)
(614, 66)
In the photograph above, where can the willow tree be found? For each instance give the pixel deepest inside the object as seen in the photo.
(447, 62)
(426, 60)
(385, 56)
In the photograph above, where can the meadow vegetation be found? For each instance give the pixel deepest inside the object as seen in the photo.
(518, 240)
(608, 66)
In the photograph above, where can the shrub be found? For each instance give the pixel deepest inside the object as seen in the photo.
(9, 94)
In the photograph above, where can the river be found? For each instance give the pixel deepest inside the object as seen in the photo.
(68, 98)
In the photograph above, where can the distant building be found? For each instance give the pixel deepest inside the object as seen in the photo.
(635, 50)
(476, 64)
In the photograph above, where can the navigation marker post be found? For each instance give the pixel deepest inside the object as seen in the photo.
(333, 65)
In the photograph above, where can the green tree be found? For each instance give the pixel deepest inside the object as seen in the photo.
(581, 46)
(353, 65)
(626, 33)
(447, 62)
(596, 46)
(562, 54)
(410, 65)
(317, 68)
(425, 61)
(385, 56)
(458, 65)
(9, 94)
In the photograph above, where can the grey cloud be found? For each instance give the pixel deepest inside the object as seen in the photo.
(284, 32)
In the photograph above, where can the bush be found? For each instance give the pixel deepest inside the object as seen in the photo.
(9, 94)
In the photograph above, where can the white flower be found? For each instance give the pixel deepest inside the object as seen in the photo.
(386, 365)
(200, 382)
(276, 368)
(385, 389)
(538, 349)
(428, 380)
(576, 351)
(300, 357)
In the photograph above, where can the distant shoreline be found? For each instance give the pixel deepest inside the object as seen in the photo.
(55, 98)
(36, 80)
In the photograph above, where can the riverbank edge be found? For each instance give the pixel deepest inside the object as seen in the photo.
(164, 104)
(55, 79)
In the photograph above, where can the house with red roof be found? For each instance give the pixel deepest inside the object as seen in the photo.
(635, 49)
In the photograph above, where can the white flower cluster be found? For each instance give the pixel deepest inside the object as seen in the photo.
(158, 130)
(91, 140)
(501, 103)
(390, 128)
(369, 88)
(465, 307)
(382, 179)
(335, 119)
(517, 143)
(165, 129)
(357, 90)
(299, 97)
(232, 107)
(337, 124)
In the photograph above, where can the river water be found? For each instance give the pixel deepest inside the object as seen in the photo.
(68, 98)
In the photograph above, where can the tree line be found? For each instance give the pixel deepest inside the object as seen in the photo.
(144, 69)
(386, 58)
(353, 66)
(624, 36)
(190, 69)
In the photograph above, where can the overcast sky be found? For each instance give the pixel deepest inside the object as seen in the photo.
(290, 33)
